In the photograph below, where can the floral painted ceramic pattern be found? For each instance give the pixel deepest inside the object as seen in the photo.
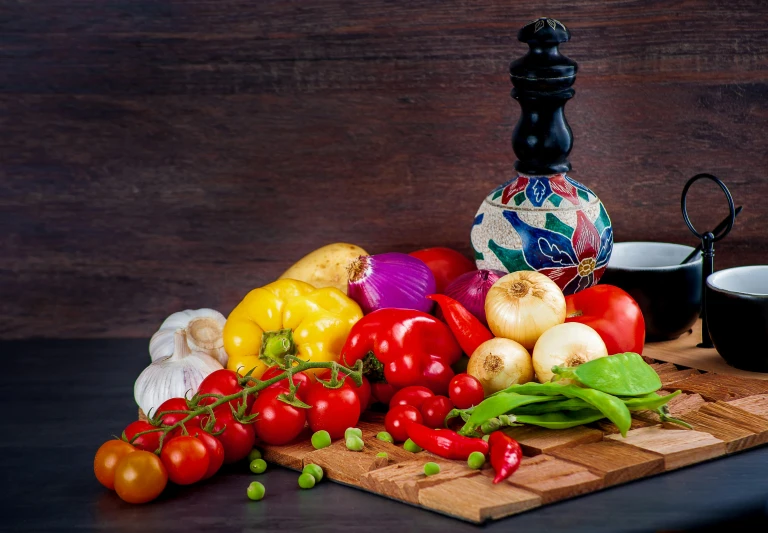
(552, 224)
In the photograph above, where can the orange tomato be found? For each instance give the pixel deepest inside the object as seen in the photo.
(106, 459)
(140, 477)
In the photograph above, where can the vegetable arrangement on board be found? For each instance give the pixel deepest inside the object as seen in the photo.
(342, 332)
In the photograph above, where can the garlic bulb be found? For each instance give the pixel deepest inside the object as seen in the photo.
(203, 328)
(173, 376)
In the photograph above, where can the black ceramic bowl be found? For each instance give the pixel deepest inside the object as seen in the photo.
(737, 314)
(668, 293)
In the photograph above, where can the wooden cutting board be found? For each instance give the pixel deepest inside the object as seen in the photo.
(729, 413)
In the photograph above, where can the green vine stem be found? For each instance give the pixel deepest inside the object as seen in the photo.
(290, 365)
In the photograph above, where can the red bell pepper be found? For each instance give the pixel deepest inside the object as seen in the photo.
(506, 455)
(466, 327)
(445, 443)
(405, 347)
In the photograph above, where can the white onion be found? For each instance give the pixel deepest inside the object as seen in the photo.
(523, 305)
(569, 344)
(499, 363)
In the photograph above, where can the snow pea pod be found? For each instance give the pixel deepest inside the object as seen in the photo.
(570, 404)
(650, 402)
(501, 404)
(563, 419)
(624, 374)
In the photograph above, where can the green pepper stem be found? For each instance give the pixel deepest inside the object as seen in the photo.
(276, 345)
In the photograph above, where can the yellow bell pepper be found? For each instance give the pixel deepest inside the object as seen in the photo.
(286, 316)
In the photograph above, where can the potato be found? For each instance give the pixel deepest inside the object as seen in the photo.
(326, 266)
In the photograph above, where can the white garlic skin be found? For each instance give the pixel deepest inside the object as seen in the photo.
(203, 327)
(173, 376)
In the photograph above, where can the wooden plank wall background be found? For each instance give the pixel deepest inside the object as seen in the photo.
(160, 155)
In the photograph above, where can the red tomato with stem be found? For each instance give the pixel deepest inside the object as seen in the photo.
(215, 451)
(177, 404)
(333, 410)
(465, 391)
(434, 410)
(398, 419)
(185, 459)
(300, 379)
(148, 442)
(223, 382)
(363, 392)
(237, 438)
(415, 396)
(611, 312)
(277, 422)
(445, 263)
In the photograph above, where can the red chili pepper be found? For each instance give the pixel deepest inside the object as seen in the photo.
(465, 326)
(445, 443)
(505, 455)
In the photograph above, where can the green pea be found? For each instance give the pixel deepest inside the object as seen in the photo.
(353, 431)
(386, 437)
(256, 491)
(430, 469)
(410, 446)
(254, 454)
(321, 439)
(383, 454)
(314, 471)
(306, 481)
(486, 437)
(476, 460)
(354, 443)
(258, 466)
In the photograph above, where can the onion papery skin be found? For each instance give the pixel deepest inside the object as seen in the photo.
(471, 288)
(500, 363)
(390, 280)
(566, 345)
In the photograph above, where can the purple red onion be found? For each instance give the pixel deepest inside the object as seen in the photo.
(471, 288)
(390, 280)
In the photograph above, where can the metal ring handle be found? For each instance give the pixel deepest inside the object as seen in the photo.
(684, 207)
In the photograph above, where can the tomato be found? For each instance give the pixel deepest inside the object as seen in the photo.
(434, 410)
(149, 442)
(363, 392)
(277, 422)
(140, 477)
(177, 404)
(333, 410)
(382, 392)
(300, 378)
(185, 459)
(465, 391)
(223, 382)
(106, 459)
(415, 395)
(215, 451)
(238, 438)
(446, 264)
(611, 312)
(397, 420)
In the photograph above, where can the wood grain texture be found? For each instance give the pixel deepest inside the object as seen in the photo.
(535, 440)
(553, 479)
(757, 404)
(162, 156)
(735, 437)
(721, 387)
(678, 447)
(738, 417)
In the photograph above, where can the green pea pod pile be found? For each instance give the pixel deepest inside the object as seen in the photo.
(609, 387)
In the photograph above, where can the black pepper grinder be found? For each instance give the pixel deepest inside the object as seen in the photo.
(542, 219)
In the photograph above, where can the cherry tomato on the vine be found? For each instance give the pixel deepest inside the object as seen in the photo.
(106, 459)
(415, 395)
(398, 419)
(140, 477)
(238, 438)
(149, 441)
(434, 410)
(333, 410)
(176, 404)
(300, 379)
(277, 422)
(223, 382)
(185, 459)
(215, 451)
(363, 392)
(465, 391)
(445, 263)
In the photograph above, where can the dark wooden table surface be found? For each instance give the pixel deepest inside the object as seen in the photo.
(64, 398)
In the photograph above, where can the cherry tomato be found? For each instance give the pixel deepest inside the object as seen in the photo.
(215, 451)
(177, 404)
(277, 422)
(333, 410)
(300, 378)
(465, 391)
(382, 392)
(434, 410)
(106, 459)
(611, 312)
(363, 392)
(140, 477)
(415, 395)
(185, 459)
(399, 418)
(148, 442)
(238, 438)
(446, 264)
(223, 382)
